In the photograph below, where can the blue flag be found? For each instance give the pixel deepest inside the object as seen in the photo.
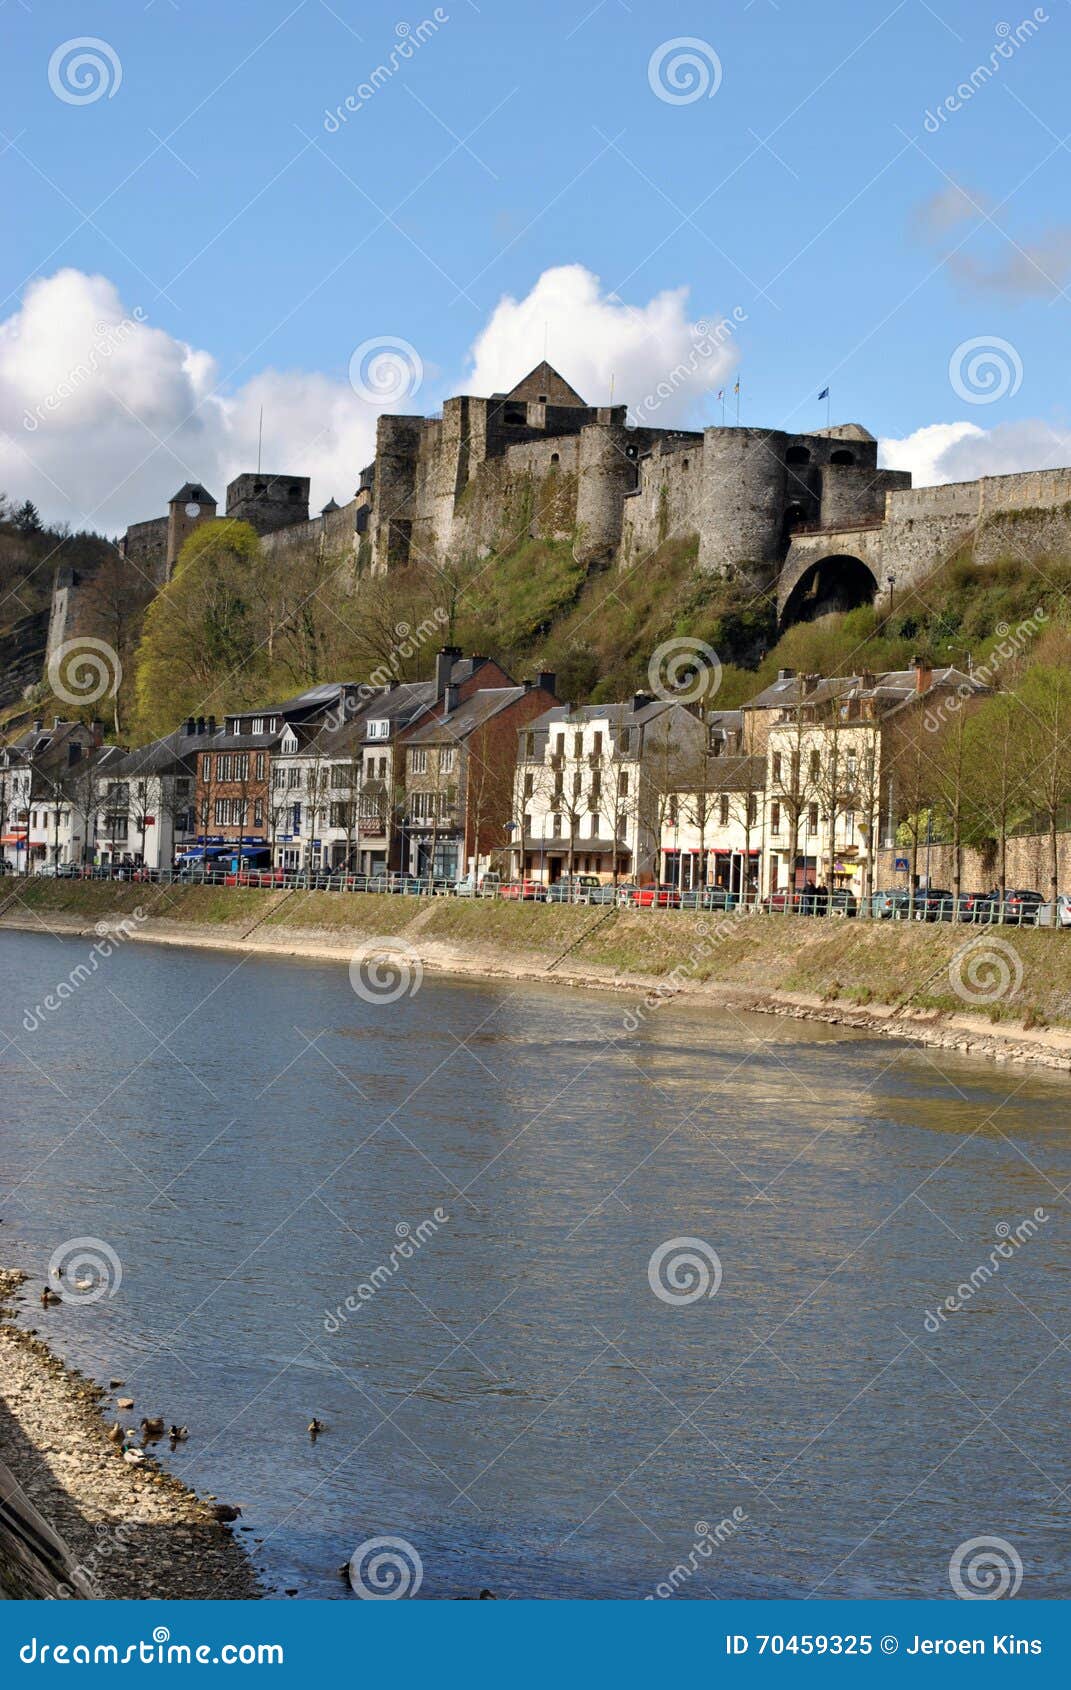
(824, 393)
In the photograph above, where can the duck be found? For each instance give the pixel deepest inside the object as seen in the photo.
(48, 1297)
(133, 1455)
(178, 1434)
(225, 1512)
(116, 1433)
(316, 1427)
(152, 1428)
(83, 1284)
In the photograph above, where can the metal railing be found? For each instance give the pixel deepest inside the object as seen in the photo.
(899, 905)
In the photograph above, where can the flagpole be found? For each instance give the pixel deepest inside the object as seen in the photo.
(828, 404)
(738, 404)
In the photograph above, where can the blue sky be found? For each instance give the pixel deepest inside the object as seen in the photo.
(861, 246)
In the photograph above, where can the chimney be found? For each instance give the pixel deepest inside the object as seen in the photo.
(641, 700)
(810, 683)
(190, 726)
(547, 679)
(786, 674)
(867, 679)
(200, 724)
(450, 698)
(38, 724)
(57, 722)
(444, 663)
(211, 724)
(923, 675)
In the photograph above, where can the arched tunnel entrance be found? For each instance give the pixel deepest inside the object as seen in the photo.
(832, 583)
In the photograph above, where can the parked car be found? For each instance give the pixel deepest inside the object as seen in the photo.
(894, 905)
(523, 891)
(1056, 913)
(573, 889)
(605, 893)
(974, 907)
(1021, 907)
(487, 886)
(780, 902)
(934, 903)
(626, 891)
(708, 898)
(662, 896)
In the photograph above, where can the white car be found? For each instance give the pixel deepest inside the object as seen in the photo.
(1061, 909)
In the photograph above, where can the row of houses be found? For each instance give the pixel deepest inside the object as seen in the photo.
(470, 770)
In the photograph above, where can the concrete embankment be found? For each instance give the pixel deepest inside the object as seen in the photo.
(1004, 992)
(76, 1519)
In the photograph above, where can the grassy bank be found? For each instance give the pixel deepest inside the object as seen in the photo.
(854, 964)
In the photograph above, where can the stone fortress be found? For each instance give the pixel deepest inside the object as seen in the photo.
(807, 518)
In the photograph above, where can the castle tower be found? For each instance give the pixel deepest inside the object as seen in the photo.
(268, 502)
(189, 507)
(608, 471)
(743, 503)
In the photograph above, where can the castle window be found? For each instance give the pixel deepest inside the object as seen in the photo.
(259, 487)
(630, 451)
(842, 457)
(555, 458)
(542, 398)
(797, 455)
(686, 463)
(295, 492)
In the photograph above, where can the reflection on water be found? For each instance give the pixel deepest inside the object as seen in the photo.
(508, 1393)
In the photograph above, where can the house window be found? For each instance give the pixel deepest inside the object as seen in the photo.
(597, 743)
(382, 768)
(752, 808)
(293, 778)
(559, 745)
(622, 784)
(257, 725)
(812, 818)
(447, 759)
(529, 785)
(260, 765)
(775, 817)
(556, 826)
(777, 767)
(278, 775)
(596, 820)
(723, 811)
(816, 765)
(258, 812)
(578, 782)
(529, 744)
(295, 819)
(526, 822)
(578, 745)
(596, 786)
(206, 768)
(418, 762)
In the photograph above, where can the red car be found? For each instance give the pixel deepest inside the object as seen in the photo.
(661, 897)
(523, 891)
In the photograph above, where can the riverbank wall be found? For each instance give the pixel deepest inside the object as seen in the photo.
(999, 992)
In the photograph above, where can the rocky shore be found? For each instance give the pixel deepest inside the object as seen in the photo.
(128, 1530)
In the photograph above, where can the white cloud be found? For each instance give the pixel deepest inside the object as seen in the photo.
(592, 337)
(962, 451)
(103, 416)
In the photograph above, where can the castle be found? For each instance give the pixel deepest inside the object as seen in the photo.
(809, 519)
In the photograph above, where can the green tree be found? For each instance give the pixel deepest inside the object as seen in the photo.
(202, 647)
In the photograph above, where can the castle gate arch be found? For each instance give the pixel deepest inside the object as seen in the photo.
(827, 572)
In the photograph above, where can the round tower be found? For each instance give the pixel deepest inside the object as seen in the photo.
(608, 469)
(743, 505)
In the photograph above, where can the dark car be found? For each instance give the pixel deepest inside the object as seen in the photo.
(1021, 908)
(933, 903)
(975, 907)
(707, 898)
(573, 889)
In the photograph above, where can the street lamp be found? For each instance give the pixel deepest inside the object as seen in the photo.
(890, 581)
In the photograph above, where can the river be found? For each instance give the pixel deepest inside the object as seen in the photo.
(522, 1395)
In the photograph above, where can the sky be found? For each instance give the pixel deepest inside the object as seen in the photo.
(325, 211)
